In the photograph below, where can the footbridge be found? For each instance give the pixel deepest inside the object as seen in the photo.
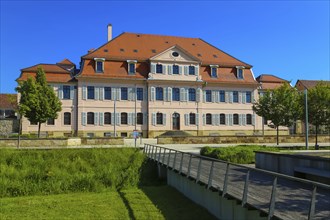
(233, 191)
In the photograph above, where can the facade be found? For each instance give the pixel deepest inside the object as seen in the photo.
(8, 106)
(152, 84)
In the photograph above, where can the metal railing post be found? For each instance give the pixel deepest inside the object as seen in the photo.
(149, 151)
(246, 187)
(159, 153)
(199, 170)
(209, 184)
(311, 211)
(181, 163)
(224, 190)
(173, 167)
(152, 152)
(272, 199)
(163, 160)
(168, 159)
(189, 166)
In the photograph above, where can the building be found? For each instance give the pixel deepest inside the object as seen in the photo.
(8, 106)
(152, 84)
(301, 85)
(269, 82)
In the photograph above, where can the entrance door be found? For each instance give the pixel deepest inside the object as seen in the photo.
(176, 121)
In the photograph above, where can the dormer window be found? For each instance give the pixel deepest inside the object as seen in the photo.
(99, 65)
(214, 71)
(240, 72)
(131, 66)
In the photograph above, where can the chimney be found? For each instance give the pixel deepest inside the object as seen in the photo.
(109, 32)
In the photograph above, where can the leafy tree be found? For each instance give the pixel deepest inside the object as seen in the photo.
(281, 106)
(38, 101)
(318, 101)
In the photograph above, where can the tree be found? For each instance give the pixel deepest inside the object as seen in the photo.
(38, 101)
(318, 101)
(281, 106)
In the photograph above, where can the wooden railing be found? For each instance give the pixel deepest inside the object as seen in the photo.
(274, 195)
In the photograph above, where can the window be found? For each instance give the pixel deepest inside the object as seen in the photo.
(208, 119)
(159, 118)
(124, 93)
(66, 92)
(192, 118)
(131, 68)
(139, 118)
(222, 96)
(236, 122)
(159, 94)
(248, 119)
(240, 73)
(192, 94)
(235, 96)
(90, 118)
(90, 92)
(175, 94)
(123, 117)
(139, 94)
(107, 118)
(99, 66)
(248, 97)
(175, 54)
(191, 70)
(175, 69)
(50, 121)
(214, 71)
(67, 118)
(222, 119)
(159, 68)
(107, 93)
(208, 96)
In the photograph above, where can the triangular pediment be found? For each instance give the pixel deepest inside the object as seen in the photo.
(175, 54)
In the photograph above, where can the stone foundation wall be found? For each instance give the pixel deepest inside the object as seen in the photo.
(240, 139)
(8, 126)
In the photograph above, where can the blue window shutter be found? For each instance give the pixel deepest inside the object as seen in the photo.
(101, 114)
(187, 94)
(96, 118)
(153, 94)
(213, 96)
(240, 97)
(165, 94)
(252, 97)
(129, 119)
(170, 70)
(217, 118)
(133, 118)
(153, 68)
(84, 92)
(169, 95)
(112, 118)
(196, 70)
(60, 92)
(164, 119)
(182, 96)
(244, 119)
(231, 97)
(213, 119)
(71, 92)
(227, 119)
(253, 119)
(217, 96)
(244, 97)
(153, 119)
(96, 93)
(145, 118)
(204, 96)
(186, 119)
(101, 93)
(186, 70)
(118, 94)
(204, 119)
(227, 96)
(240, 119)
(180, 70)
(197, 119)
(164, 69)
(198, 94)
(113, 93)
(83, 118)
(129, 91)
(230, 119)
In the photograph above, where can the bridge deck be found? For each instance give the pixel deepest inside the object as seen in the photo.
(292, 195)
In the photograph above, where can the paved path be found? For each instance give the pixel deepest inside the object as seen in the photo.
(292, 200)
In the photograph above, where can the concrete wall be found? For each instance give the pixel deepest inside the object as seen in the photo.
(220, 207)
(239, 139)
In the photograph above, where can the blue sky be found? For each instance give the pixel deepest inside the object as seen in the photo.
(289, 39)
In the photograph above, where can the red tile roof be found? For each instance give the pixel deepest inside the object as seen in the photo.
(270, 78)
(8, 101)
(307, 84)
(141, 47)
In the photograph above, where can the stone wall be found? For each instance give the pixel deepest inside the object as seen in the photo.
(240, 139)
(102, 141)
(8, 126)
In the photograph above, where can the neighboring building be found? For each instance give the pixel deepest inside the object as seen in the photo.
(154, 84)
(308, 84)
(269, 82)
(8, 105)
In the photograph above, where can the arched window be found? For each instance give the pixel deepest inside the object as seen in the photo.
(67, 118)
(107, 118)
(139, 118)
(208, 119)
(123, 118)
(192, 118)
(90, 118)
(236, 122)
(159, 93)
(248, 119)
(159, 118)
(192, 94)
(222, 119)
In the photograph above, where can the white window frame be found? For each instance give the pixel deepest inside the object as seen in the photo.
(216, 70)
(99, 60)
(238, 68)
(128, 67)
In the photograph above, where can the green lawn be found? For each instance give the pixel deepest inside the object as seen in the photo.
(159, 202)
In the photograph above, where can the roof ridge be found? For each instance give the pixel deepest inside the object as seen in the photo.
(160, 35)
